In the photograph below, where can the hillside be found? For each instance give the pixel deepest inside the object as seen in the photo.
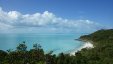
(99, 35)
(103, 51)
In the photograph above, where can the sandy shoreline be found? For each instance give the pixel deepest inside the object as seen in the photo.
(86, 45)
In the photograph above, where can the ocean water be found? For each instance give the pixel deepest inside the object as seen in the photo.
(49, 42)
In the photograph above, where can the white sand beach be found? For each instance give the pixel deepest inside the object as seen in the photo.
(86, 45)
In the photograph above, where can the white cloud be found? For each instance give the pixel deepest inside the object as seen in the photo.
(14, 15)
(43, 21)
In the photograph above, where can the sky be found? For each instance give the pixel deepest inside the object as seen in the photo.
(55, 16)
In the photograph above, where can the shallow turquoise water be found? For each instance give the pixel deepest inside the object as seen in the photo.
(56, 42)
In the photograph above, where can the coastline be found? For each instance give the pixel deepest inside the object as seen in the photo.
(87, 45)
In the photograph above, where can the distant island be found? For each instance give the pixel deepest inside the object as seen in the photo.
(102, 53)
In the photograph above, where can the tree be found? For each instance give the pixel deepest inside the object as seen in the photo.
(3, 54)
(36, 46)
(22, 47)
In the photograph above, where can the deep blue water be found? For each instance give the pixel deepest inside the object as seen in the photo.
(56, 42)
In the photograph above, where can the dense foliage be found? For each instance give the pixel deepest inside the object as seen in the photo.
(102, 53)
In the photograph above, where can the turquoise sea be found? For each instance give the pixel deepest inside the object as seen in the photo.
(56, 42)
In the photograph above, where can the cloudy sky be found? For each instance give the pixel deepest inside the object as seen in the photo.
(55, 16)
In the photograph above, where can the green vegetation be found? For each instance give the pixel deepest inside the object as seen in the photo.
(102, 53)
